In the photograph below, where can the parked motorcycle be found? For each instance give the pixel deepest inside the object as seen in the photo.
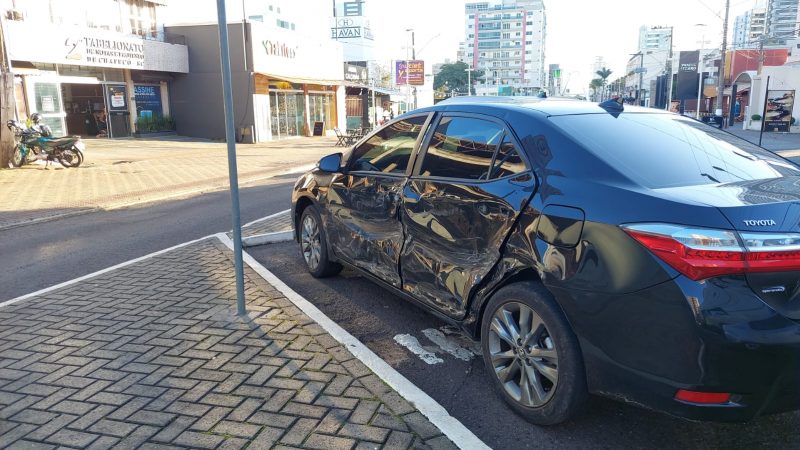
(36, 142)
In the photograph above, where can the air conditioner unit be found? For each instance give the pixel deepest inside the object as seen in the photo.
(14, 14)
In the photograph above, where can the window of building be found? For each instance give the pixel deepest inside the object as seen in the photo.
(530, 22)
(529, 33)
(462, 148)
(529, 42)
(389, 150)
(506, 35)
(517, 33)
(471, 16)
(506, 26)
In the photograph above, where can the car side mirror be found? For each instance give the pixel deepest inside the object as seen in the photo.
(331, 163)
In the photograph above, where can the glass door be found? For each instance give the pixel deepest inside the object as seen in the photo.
(48, 103)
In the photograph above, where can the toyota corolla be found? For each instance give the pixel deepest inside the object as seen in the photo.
(604, 249)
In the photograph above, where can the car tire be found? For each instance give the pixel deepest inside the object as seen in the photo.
(314, 245)
(539, 372)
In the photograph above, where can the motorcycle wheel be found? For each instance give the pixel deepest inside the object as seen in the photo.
(17, 160)
(70, 158)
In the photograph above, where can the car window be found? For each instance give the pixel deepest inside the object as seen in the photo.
(462, 147)
(389, 149)
(663, 150)
(507, 161)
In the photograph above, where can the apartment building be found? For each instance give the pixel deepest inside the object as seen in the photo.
(506, 39)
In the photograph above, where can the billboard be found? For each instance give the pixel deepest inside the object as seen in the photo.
(412, 71)
(779, 111)
(687, 75)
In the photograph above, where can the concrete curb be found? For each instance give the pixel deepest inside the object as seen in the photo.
(268, 238)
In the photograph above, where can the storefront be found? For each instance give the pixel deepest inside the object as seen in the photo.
(91, 82)
(285, 84)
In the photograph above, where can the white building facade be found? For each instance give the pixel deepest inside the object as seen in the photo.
(748, 28)
(782, 20)
(104, 70)
(654, 38)
(506, 39)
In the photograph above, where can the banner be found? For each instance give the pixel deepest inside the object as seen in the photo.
(778, 117)
(409, 72)
(148, 100)
(687, 75)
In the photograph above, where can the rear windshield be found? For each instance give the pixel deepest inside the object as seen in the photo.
(663, 150)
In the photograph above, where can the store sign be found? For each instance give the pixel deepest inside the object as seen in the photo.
(278, 48)
(687, 75)
(355, 73)
(778, 117)
(74, 46)
(350, 28)
(409, 72)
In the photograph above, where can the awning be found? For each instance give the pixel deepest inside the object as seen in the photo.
(299, 80)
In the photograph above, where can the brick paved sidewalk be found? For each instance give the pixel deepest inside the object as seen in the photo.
(152, 355)
(120, 172)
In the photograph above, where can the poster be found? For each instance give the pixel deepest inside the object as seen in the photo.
(148, 100)
(115, 93)
(409, 72)
(48, 104)
(686, 88)
(778, 116)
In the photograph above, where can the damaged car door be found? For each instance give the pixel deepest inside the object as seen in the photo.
(364, 203)
(469, 185)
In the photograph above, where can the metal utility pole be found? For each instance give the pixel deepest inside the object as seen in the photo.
(230, 137)
(669, 72)
(721, 73)
(700, 72)
(639, 97)
(763, 113)
(414, 58)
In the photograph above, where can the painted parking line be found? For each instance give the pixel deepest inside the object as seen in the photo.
(271, 216)
(436, 413)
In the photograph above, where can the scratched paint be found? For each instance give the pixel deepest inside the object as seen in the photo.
(447, 344)
(412, 344)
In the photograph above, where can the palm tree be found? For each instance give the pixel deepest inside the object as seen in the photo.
(596, 85)
(603, 73)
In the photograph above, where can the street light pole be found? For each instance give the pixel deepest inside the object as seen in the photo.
(413, 58)
(469, 80)
(700, 71)
(227, 94)
(721, 73)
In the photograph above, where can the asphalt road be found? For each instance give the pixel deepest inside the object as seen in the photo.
(375, 317)
(36, 256)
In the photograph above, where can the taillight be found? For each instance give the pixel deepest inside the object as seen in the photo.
(701, 253)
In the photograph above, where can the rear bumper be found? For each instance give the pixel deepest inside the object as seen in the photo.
(714, 336)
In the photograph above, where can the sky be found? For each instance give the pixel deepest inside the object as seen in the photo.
(577, 30)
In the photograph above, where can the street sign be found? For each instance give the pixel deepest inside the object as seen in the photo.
(640, 70)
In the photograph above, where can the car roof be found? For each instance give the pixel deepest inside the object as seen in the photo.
(552, 106)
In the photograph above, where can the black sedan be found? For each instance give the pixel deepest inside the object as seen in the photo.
(619, 251)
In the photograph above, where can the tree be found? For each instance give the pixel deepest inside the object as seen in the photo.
(455, 76)
(596, 86)
(6, 105)
(603, 73)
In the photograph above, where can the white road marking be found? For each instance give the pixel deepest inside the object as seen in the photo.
(446, 344)
(430, 408)
(412, 344)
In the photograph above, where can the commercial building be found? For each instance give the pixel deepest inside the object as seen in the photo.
(749, 27)
(103, 70)
(654, 38)
(285, 84)
(506, 39)
(642, 71)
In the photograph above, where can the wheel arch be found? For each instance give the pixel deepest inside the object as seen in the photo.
(300, 205)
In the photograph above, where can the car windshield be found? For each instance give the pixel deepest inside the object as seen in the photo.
(662, 150)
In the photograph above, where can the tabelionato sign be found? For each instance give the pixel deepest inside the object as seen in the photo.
(76, 46)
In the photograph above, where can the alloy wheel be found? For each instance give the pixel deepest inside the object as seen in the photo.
(310, 241)
(523, 354)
